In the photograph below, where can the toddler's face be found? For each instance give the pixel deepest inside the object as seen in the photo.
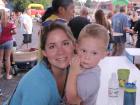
(90, 51)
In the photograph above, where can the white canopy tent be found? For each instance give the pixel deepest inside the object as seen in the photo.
(2, 6)
(2, 3)
(6, 9)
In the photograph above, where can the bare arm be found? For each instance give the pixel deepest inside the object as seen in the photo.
(13, 31)
(71, 87)
(25, 27)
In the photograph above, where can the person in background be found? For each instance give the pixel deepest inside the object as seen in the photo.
(84, 76)
(133, 20)
(61, 11)
(0, 28)
(6, 42)
(101, 19)
(45, 83)
(120, 26)
(27, 23)
(76, 24)
(137, 29)
(109, 17)
(84, 12)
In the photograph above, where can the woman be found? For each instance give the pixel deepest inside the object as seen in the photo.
(61, 11)
(137, 29)
(101, 19)
(6, 42)
(45, 83)
(133, 20)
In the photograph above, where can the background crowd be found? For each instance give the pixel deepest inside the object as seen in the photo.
(48, 82)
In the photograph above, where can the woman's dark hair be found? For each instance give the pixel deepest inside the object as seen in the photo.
(54, 8)
(76, 25)
(100, 18)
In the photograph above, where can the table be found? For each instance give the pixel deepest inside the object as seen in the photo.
(112, 64)
(133, 54)
(115, 34)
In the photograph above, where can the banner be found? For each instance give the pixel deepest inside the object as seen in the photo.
(120, 2)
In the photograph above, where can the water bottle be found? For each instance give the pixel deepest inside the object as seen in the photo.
(130, 94)
(113, 90)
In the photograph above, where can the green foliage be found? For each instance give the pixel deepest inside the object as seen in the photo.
(88, 3)
(20, 5)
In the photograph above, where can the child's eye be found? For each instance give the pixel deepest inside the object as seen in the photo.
(94, 53)
(83, 51)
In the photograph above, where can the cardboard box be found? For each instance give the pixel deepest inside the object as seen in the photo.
(133, 54)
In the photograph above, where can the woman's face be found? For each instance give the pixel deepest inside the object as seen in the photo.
(59, 49)
(69, 12)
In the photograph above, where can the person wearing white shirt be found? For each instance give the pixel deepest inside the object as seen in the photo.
(26, 21)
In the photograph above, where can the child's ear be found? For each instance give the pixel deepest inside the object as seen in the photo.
(105, 54)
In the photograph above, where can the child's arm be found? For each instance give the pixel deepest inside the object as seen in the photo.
(71, 87)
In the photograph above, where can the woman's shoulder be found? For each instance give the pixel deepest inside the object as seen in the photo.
(37, 74)
(53, 18)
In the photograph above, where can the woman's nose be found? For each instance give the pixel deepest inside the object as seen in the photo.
(60, 50)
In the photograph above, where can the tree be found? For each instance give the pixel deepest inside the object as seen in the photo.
(20, 5)
(88, 3)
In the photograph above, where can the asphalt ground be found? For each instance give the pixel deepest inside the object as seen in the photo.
(8, 86)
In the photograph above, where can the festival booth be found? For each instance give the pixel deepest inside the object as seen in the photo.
(36, 9)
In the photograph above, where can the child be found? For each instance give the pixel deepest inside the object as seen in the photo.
(84, 76)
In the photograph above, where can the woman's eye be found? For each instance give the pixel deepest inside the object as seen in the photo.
(66, 43)
(51, 47)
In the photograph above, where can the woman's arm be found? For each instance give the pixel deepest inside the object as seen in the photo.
(13, 31)
(71, 87)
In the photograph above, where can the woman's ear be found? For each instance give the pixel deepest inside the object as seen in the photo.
(76, 48)
(44, 53)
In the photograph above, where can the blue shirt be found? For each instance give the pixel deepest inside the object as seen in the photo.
(37, 87)
(119, 22)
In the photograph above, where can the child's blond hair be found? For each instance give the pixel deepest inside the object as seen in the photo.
(95, 31)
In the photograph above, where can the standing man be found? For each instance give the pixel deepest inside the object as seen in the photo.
(27, 24)
(120, 26)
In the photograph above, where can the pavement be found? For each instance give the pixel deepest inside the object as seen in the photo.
(8, 86)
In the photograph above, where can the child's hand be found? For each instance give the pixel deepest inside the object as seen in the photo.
(75, 65)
